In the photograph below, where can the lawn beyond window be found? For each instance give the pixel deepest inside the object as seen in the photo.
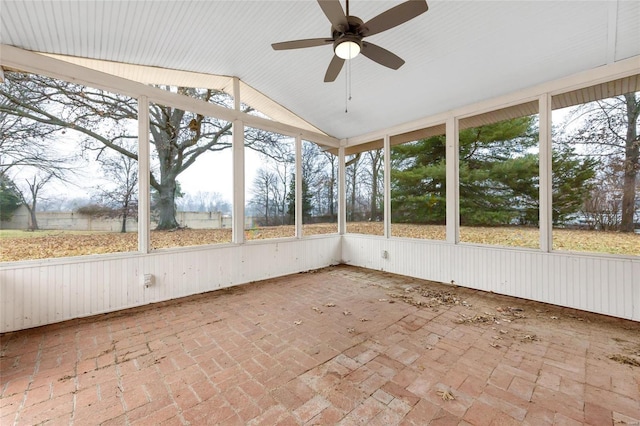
(21, 245)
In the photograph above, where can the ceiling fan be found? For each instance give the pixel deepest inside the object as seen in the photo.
(348, 32)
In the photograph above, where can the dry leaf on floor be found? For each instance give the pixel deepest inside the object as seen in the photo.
(315, 308)
(446, 395)
(351, 330)
(297, 322)
(624, 359)
(346, 313)
(330, 305)
(364, 319)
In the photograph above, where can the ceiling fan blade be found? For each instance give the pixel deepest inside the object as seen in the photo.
(334, 69)
(334, 12)
(393, 17)
(298, 44)
(381, 56)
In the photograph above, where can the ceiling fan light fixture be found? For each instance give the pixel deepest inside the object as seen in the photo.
(347, 49)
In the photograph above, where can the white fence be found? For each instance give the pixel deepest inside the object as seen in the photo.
(72, 221)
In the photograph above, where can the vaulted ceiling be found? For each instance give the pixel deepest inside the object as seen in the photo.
(457, 53)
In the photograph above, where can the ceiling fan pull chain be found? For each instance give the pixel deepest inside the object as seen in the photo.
(346, 89)
(349, 65)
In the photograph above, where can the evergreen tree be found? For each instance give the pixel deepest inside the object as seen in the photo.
(499, 177)
(307, 200)
(418, 181)
(10, 198)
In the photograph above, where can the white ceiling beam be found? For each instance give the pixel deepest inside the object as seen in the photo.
(617, 70)
(23, 60)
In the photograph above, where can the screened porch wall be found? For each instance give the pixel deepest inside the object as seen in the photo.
(37, 293)
(603, 284)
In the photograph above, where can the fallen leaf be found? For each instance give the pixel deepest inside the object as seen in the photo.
(297, 322)
(330, 305)
(346, 313)
(446, 395)
(363, 319)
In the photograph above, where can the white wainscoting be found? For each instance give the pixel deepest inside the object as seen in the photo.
(603, 284)
(44, 292)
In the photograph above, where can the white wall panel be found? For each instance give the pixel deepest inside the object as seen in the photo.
(597, 283)
(43, 292)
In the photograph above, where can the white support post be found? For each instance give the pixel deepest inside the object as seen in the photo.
(453, 181)
(342, 198)
(387, 186)
(237, 131)
(144, 180)
(299, 200)
(546, 190)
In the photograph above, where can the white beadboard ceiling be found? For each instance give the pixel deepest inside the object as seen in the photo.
(457, 53)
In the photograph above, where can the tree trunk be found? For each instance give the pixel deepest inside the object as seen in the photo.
(125, 209)
(631, 163)
(33, 223)
(167, 205)
(331, 196)
(353, 194)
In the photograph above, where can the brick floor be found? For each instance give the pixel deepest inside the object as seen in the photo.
(340, 345)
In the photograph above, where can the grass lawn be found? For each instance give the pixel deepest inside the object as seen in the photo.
(23, 245)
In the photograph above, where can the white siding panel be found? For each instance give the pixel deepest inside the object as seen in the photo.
(602, 284)
(38, 293)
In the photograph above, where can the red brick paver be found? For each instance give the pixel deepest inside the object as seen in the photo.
(340, 345)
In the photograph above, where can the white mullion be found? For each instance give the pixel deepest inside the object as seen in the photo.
(387, 186)
(545, 167)
(453, 181)
(238, 181)
(299, 201)
(144, 181)
(342, 204)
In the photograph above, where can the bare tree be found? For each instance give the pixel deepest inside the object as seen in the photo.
(122, 196)
(31, 193)
(205, 201)
(375, 160)
(264, 199)
(609, 128)
(104, 120)
(24, 145)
